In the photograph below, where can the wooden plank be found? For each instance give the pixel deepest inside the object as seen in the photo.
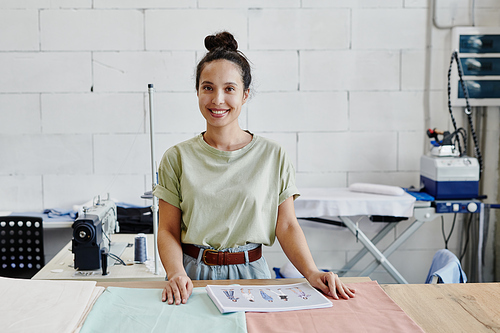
(462, 307)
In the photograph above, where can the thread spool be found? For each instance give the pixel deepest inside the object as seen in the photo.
(140, 249)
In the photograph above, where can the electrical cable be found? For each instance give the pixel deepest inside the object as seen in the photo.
(117, 258)
(111, 255)
(467, 238)
(106, 235)
(468, 112)
(446, 239)
(463, 133)
(453, 121)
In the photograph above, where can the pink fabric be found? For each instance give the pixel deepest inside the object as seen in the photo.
(372, 310)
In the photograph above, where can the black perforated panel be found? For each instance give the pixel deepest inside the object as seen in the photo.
(21, 246)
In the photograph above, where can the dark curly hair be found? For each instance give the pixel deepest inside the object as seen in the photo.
(223, 46)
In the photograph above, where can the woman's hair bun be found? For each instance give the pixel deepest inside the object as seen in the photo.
(222, 40)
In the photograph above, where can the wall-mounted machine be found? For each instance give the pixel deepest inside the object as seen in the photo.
(478, 49)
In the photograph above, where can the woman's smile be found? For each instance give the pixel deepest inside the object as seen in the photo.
(219, 112)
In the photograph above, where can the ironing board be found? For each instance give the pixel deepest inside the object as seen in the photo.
(315, 203)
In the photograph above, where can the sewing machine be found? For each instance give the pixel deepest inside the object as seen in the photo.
(88, 244)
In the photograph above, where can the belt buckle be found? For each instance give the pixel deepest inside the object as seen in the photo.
(203, 258)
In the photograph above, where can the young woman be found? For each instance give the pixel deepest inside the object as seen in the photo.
(227, 192)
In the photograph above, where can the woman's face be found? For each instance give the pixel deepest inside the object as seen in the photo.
(221, 93)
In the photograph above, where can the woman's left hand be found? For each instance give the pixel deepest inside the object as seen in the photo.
(329, 283)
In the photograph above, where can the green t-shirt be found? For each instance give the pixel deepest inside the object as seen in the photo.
(227, 198)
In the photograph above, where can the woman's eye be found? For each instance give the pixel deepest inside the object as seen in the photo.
(230, 89)
(207, 88)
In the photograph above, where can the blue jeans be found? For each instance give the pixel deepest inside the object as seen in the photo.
(196, 269)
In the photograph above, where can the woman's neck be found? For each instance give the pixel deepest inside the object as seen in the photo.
(227, 139)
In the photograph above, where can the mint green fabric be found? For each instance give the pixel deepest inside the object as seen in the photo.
(142, 311)
(227, 198)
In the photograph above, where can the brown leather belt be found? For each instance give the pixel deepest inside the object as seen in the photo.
(214, 257)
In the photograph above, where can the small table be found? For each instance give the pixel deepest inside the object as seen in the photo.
(464, 307)
(61, 266)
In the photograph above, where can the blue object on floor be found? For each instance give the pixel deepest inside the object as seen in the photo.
(447, 268)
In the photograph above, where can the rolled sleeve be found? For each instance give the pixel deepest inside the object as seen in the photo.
(291, 191)
(164, 194)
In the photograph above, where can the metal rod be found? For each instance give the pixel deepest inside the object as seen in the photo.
(394, 246)
(380, 235)
(480, 244)
(153, 177)
(373, 250)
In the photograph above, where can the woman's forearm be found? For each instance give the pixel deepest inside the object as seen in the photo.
(170, 250)
(169, 239)
(292, 239)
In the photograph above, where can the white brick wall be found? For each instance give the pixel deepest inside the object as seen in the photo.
(92, 113)
(185, 29)
(304, 112)
(380, 111)
(350, 70)
(178, 113)
(133, 71)
(401, 28)
(65, 30)
(274, 70)
(40, 154)
(20, 114)
(357, 151)
(25, 72)
(326, 29)
(83, 188)
(341, 84)
(413, 69)
(21, 193)
(43, 4)
(13, 21)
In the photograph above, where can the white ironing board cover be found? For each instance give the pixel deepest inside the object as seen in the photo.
(317, 202)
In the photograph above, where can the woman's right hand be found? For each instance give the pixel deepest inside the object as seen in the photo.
(177, 290)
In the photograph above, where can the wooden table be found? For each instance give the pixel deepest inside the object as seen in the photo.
(465, 307)
(61, 266)
(470, 308)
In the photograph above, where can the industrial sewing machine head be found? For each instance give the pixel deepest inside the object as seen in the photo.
(88, 244)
